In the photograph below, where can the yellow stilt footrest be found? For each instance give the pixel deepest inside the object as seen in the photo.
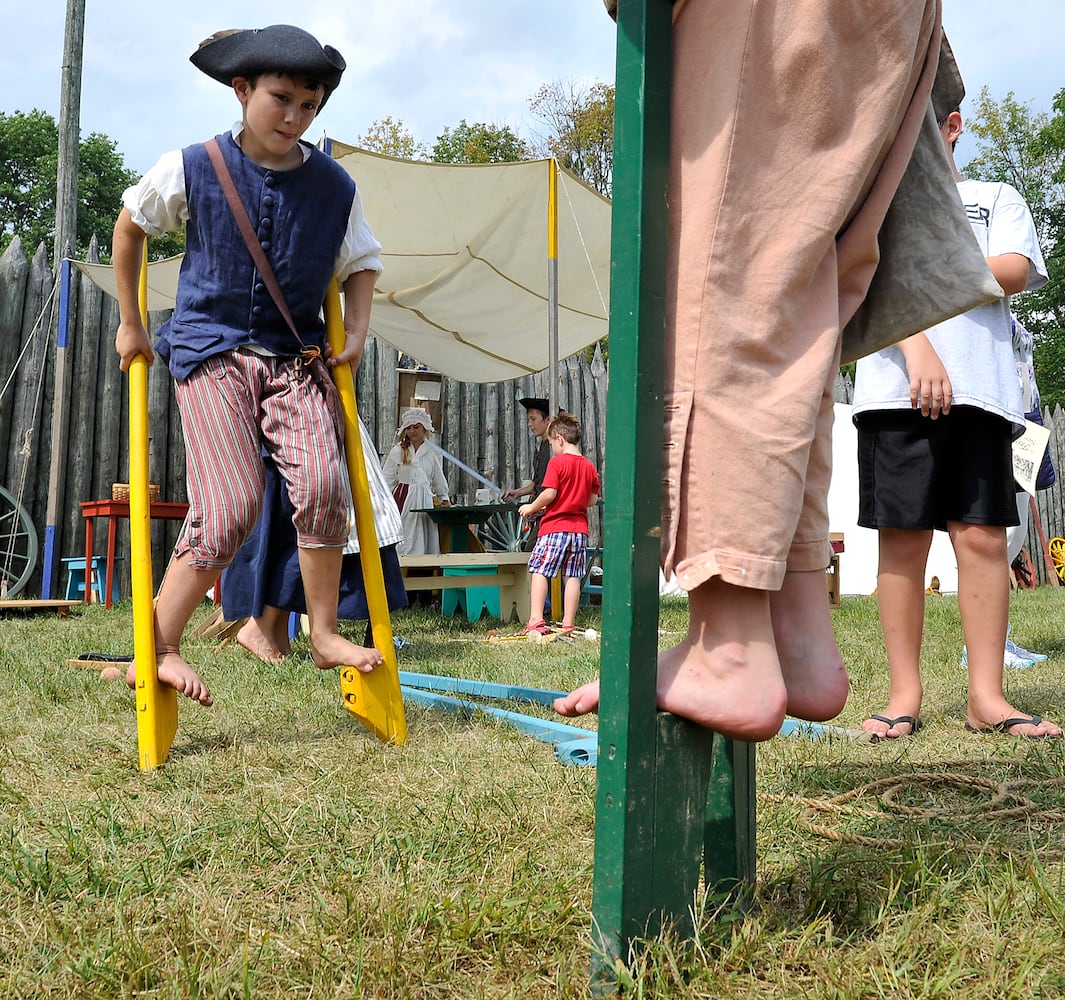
(375, 698)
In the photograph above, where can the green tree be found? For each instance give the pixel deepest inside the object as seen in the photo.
(102, 177)
(29, 162)
(579, 125)
(480, 143)
(1027, 151)
(29, 157)
(391, 137)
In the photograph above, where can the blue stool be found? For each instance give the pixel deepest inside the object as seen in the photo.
(473, 600)
(76, 579)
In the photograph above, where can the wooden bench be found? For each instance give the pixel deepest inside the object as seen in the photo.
(511, 576)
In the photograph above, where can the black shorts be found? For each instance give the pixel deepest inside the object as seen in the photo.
(916, 473)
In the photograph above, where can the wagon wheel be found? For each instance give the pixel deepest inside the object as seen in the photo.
(18, 546)
(1056, 547)
(504, 531)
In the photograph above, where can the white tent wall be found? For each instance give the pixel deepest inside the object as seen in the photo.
(464, 287)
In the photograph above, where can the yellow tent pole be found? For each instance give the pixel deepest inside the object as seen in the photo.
(552, 333)
(552, 284)
(374, 699)
(156, 703)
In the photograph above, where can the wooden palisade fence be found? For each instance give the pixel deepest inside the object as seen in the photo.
(483, 424)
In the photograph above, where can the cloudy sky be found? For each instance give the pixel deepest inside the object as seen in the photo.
(428, 63)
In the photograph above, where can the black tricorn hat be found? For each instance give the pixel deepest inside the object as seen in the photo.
(280, 48)
(536, 403)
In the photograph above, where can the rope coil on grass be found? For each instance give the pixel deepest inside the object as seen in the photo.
(1006, 801)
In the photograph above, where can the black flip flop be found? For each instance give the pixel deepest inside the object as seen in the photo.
(916, 725)
(1003, 728)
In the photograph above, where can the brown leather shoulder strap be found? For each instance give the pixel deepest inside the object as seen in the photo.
(240, 213)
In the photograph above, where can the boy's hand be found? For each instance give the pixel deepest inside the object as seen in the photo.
(130, 340)
(524, 511)
(352, 352)
(930, 388)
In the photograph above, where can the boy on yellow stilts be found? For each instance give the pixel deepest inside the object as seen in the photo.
(244, 380)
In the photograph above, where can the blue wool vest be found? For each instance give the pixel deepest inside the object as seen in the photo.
(300, 217)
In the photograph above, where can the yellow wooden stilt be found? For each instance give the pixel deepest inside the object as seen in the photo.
(156, 703)
(374, 699)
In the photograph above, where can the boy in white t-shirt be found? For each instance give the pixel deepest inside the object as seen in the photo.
(936, 417)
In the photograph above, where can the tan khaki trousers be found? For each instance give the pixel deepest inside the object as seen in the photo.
(792, 125)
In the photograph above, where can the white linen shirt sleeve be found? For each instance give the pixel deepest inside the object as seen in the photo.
(157, 202)
(359, 250)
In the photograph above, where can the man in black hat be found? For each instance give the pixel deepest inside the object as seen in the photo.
(245, 340)
(537, 410)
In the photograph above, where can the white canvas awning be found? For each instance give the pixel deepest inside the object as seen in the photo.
(464, 288)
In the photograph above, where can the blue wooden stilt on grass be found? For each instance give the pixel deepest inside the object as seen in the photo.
(573, 745)
(672, 798)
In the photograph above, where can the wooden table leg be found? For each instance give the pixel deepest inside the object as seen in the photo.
(87, 597)
(112, 528)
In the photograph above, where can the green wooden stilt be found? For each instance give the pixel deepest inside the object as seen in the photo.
(729, 844)
(656, 826)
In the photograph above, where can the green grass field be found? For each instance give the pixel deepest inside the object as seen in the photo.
(283, 852)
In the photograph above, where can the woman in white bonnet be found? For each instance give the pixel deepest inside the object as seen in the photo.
(415, 476)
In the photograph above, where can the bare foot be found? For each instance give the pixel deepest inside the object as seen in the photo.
(580, 701)
(172, 670)
(252, 638)
(273, 623)
(724, 675)
(333, 650)
(734, 688)
(810, 660)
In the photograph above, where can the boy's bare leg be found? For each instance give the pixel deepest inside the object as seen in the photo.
(724, 675)
(537, 597)
(571, 598)
(320, 569)
(810, 660)
(900, 598)
(983, 600)
(274, 623)
(267, 636)
(180, 595)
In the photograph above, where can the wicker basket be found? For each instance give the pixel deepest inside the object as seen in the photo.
(120, 491)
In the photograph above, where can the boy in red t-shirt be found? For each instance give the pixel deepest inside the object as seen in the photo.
(571, 486)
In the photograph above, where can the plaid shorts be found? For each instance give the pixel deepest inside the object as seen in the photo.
(565, 550)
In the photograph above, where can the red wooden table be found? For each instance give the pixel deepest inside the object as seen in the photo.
(114, 509)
